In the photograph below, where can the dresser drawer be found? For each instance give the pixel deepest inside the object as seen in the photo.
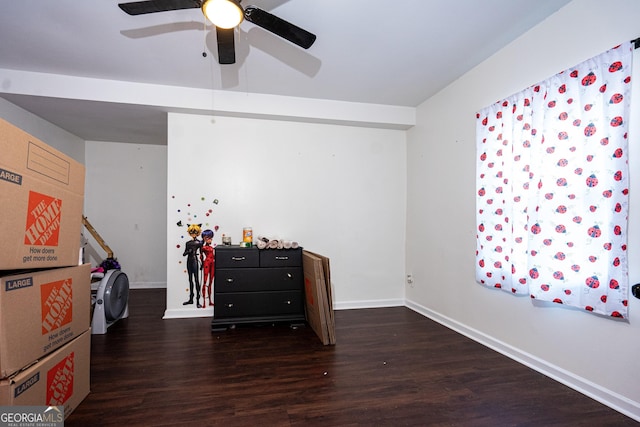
(281, 257)
(258, 279)
(236, 257)
(255, 304)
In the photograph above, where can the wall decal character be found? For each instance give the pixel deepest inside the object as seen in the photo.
(207, 256)
(191, 251)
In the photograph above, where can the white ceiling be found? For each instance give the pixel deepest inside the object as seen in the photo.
(396, 53)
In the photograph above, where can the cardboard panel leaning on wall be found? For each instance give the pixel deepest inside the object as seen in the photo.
(41, 202)
(41, 311)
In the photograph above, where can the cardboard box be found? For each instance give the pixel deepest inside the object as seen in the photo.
(41, 201)
(41, 311)
(59, 379)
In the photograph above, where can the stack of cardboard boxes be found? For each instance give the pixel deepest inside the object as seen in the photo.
(45, 296)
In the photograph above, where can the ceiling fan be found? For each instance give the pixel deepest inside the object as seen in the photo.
(218, 11)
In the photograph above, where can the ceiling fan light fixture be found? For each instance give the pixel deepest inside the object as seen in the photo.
(223, 13)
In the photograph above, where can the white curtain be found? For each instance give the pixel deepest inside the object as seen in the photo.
(552, 188)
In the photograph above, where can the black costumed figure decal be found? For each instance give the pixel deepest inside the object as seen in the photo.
(207, 256)
(191, 251)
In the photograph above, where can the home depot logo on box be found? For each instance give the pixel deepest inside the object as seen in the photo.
(57, 304)
(43, 220)
(60, 381)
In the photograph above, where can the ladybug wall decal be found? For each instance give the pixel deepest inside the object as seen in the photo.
(563, 116)
(562, 89)
(562, 162)
(561, 229)
(617, 176)
(560, 256)
(613, 284)
(558, 275)
(603, 88)
(561, 209)
(544, 287)
(562, 136)
(617, 230)
(557, 301)
(574, 74)
(604, 141)
(536, 229)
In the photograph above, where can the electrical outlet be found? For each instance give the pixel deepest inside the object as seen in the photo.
(410, 280)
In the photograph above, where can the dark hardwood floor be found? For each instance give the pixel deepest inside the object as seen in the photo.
(390, 367)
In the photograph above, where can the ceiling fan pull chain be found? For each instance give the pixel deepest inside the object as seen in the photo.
(204, 38)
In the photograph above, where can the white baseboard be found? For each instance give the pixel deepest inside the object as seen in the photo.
(607, 397)
(147, 285)
(348, 305)
(181, 313)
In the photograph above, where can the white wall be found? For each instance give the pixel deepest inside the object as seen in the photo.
(595, 355)
(125, 201)
(337, 190)
(56, 137)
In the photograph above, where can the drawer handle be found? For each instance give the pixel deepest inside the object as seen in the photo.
(230, 305)
(288, 302)
(289, 275)
(238, 258)
(284, 258)
(230, 280)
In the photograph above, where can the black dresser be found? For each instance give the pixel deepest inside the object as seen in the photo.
(254, 285)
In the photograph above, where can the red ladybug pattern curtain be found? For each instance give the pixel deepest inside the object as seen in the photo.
(552, 188)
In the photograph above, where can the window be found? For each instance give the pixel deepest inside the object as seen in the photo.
(552, 188)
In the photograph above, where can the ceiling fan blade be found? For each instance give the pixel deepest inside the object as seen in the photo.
(153, 6)
(226, 46)
(279, 26)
